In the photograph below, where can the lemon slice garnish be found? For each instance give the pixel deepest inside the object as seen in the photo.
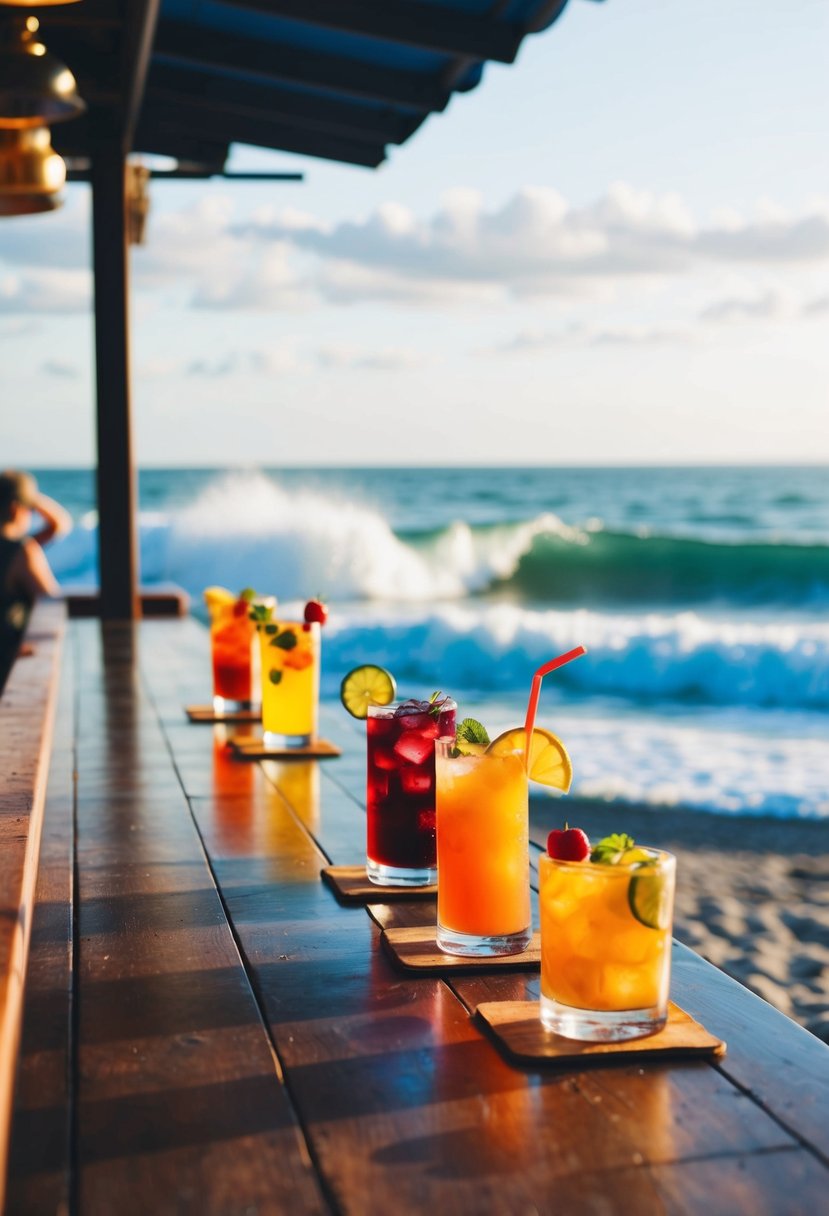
(219, 597)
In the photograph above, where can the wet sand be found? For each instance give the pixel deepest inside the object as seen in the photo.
(752, 894)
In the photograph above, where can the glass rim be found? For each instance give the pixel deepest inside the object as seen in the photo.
(307, 626)
(375, 711)
(661, 857)
(444, 742)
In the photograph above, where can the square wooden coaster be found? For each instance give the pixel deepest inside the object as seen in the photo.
(244, 748)
(415, 948)
(206, 713)
(518, 1031)
(351, 886)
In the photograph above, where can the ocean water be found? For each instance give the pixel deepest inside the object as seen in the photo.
(702, 595)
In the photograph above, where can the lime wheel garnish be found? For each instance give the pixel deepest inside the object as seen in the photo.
(365, 686)
(649, 900)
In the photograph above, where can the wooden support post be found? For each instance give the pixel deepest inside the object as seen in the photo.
(117, 544)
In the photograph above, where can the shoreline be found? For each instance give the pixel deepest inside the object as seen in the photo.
(752, 893)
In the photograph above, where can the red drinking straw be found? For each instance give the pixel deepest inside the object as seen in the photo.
(535, 689)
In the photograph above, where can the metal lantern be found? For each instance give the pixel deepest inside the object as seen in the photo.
(35, 86)
(33, 3)
(28, 204)
(31, 172)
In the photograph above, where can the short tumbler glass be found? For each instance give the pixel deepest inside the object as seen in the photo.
(606, 946)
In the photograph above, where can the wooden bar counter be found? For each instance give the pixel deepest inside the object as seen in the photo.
(208, 1031)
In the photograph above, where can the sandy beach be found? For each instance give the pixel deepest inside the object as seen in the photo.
(752, 895)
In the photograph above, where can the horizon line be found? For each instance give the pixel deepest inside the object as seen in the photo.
(253, 466)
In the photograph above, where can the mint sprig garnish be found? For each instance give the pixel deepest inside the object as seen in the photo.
(259, 613)
(248, 595)
(285, 640)
(437, 701)
(472, 732)
(609, 852)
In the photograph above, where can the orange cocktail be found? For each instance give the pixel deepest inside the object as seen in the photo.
(482, 851)
(606, 944)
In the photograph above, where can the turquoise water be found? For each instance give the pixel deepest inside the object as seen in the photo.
(701, 594)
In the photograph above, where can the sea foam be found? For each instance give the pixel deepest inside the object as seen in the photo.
(246, 529)
(682, 657)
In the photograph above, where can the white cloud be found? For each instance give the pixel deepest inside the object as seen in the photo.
(35, 290)
(537, 244)
(18, 327)
(534, 340)
(341, 355)
(63, 369)
(275, 360)
(770, 306)
(280, 359)
(60, 240)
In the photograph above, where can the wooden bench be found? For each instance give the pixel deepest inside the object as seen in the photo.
(242, 1043)
(27, 712)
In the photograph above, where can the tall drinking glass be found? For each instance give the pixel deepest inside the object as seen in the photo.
(483, 853)
(606, 946)
(290, 657)
(400, 803)
(231, 649)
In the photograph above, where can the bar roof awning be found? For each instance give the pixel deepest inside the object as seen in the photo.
(337, 79)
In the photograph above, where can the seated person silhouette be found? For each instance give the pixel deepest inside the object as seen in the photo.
(25, 572)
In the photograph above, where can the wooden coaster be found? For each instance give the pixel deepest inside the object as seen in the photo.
(206, 713)
(244, 748)
(351, 886)
(415, 948)
(518, 1030)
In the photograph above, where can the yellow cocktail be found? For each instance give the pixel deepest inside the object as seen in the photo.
(606, 944)
(483, 852)
(290, 653)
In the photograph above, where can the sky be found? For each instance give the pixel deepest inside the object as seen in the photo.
(614, 251)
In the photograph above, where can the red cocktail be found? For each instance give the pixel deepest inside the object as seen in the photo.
(231, 644)
(401, 847)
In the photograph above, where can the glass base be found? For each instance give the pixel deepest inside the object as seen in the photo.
(600, 1025)
(400, 876)
(473, 945)
(285, 742)
(222, 705)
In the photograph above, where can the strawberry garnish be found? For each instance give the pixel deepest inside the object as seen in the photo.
(316, 612)
(568, 844)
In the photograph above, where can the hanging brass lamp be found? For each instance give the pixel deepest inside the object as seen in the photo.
(31, 172)
(35, 86)
(33, 3)
(28, 204)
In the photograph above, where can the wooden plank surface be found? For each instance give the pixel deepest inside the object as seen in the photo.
(39, 1158)
(180, 1104)
(27, 708)
(404, 1104)
(244, 1045)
